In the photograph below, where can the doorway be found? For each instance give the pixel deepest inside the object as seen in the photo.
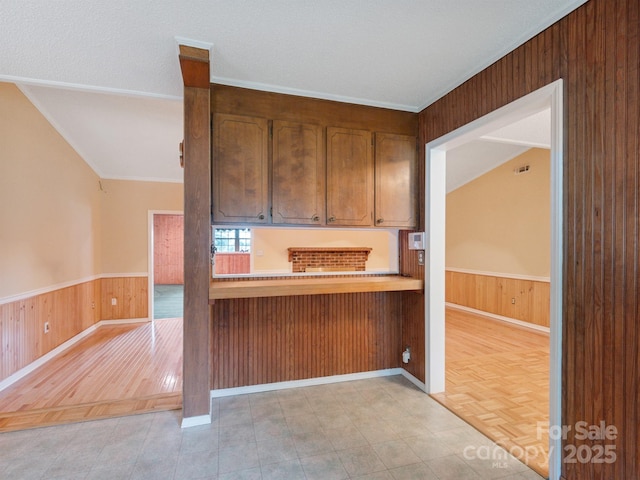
(166, 264)
(436, 157)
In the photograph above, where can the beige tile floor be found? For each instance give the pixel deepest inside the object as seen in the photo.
(377, 429)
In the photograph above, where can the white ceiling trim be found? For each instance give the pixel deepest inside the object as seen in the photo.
(77, 87)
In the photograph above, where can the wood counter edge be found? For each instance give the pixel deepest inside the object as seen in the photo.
(311, 286)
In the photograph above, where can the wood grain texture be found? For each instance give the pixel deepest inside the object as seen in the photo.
(230, 263)
(495, 294)
(240, 167)
(312, 286)
(497, 379)
(116, 370)
(413, 309)
(595, 50)
(197, 241)
(395, 181)
(291, 108)
(350, 177)
(265, 340)
(168, 249)
(298, 178)
(131, 294)
(68, 311)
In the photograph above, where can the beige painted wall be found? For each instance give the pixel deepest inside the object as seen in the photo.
(273, 244)
(125, 207)
(50, 202)
(500, 222)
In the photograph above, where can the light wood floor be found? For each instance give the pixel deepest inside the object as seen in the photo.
(117, 370)
(497, 379)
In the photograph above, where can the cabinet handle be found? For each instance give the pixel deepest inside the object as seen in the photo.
(261, 217)
(315, 218)
(332, 219)
(380, 220)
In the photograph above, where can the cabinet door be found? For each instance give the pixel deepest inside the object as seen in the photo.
(395, 184)
(298, 174)
(349, 177)
(240, 172)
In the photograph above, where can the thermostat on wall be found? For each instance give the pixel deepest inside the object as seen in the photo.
(416, 241)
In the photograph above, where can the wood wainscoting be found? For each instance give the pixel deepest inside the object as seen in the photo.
(68, 311)
(131, 294)
(276, 339)
(526, 300)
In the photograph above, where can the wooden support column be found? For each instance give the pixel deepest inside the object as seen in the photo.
(196, 401)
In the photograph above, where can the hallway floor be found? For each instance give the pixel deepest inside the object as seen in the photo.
(168, 301)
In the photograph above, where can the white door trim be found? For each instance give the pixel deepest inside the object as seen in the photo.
(435, 197)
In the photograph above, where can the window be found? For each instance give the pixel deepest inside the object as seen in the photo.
(232, 240)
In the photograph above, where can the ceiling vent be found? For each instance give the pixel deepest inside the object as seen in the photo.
(522, 170)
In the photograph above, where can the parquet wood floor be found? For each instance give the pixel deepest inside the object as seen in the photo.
(497, 379)
(117, 370)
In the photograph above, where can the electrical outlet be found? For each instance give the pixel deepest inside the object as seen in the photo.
(114, 301)
(513, 301)
(421, 257)
(46, 327)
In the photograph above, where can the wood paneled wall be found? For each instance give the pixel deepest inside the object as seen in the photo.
(495, 294)
(131, 294)
(265, 340)
(229, 263)
(413, 306)
(168, 249)
(595, 49)
(69, 311)
(292, 108)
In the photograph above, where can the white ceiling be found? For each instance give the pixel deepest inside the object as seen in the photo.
(475, 158)
(106, 74)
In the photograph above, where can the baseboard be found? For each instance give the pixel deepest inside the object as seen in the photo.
(307, 382)
(414, 380)
(196, 421)
(24, 371)
(500, 318)
(123, 321)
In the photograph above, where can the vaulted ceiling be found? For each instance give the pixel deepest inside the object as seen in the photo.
(106, 75)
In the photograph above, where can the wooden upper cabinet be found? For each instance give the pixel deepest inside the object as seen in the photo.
(240, 187)
(395, 181)
(298, 181)
(349, 177)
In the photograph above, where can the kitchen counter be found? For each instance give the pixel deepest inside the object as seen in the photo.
(311, 286)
